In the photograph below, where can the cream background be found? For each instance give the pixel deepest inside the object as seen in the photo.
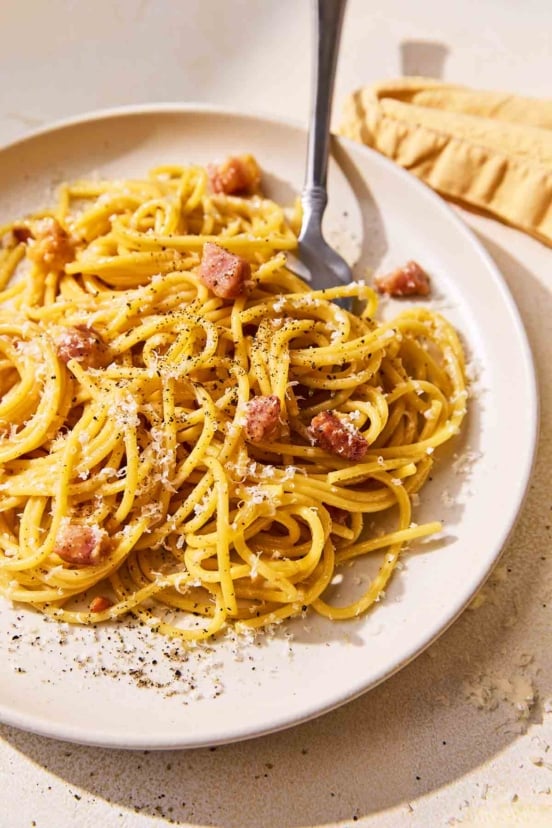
(380, 761)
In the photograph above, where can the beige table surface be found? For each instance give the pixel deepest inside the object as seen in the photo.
(445, 736)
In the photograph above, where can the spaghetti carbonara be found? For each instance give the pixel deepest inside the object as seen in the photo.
(188, 432)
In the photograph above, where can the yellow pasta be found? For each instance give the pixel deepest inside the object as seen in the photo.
(184, 520)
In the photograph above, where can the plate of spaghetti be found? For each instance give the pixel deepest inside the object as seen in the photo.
(225, 497)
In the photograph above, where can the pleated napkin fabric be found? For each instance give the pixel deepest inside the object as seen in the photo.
(486, 150)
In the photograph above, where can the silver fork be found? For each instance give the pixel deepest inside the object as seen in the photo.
(316, 261)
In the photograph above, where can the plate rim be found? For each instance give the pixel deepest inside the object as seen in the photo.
(40, 725)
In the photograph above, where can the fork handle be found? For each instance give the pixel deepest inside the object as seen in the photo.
(328, 22)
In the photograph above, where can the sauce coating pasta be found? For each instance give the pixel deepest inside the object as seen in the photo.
(189, 433)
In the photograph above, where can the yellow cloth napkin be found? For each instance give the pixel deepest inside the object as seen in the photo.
(485, 150)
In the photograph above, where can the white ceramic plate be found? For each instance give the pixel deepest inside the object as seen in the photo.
(126, 687)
